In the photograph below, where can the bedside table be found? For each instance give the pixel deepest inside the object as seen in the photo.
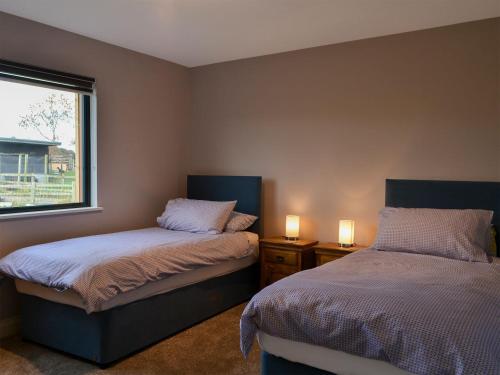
(280, 258)
(326, 252)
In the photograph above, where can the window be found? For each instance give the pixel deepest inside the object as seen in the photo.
(45, 139)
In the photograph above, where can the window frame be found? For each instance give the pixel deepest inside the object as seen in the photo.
(18, 73)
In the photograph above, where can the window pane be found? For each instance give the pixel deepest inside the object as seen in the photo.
(40, 146)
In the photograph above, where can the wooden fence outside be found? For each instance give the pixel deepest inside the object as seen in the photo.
(27, 191)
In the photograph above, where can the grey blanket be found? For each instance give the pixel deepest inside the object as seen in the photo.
(424, 314)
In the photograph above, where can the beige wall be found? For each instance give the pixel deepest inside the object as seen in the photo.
(326, 126)
(323, 126)
(143, 109)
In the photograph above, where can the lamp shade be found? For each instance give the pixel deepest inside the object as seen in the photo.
(292, 227)
(346, 232)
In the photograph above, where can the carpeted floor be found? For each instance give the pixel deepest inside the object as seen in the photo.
(211, 347)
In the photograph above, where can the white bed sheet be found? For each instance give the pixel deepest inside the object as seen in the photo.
(335, 361)
(70, 297)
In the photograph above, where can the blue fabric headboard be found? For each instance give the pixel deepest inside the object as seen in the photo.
(446, 194)
(244, 189)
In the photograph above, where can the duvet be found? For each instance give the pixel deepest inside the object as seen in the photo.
(100, 267)
(421, 313)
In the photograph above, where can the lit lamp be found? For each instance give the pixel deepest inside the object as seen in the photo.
(346, 233)
(292, 227)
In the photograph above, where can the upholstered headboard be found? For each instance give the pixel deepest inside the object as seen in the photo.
(446, 194)
(244, 189)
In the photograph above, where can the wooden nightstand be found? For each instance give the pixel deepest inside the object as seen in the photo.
(326, 252)
(280, 258)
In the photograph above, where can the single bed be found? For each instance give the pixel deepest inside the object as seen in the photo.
(108, 329)
(284, 350)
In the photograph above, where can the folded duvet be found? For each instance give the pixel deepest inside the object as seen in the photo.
(421, 313)
(100, 267)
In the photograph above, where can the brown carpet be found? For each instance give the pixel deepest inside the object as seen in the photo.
(211, 347)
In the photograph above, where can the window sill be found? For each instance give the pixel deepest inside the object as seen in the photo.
(65, 211)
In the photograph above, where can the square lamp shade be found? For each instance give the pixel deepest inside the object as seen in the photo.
(346, 233)
(292, 227)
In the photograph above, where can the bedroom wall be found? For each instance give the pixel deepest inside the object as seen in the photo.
(143, 109)
(326, 126)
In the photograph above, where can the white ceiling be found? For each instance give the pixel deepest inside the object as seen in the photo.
(200, 32)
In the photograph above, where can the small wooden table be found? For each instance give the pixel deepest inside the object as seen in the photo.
(280, 258)
(327, 252)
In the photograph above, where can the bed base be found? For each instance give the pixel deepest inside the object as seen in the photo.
(107, 336)
(273, 365)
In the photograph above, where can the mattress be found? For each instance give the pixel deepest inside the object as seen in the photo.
(70, 297)
(335, 361)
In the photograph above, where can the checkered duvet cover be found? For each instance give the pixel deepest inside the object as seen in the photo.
(422, 313)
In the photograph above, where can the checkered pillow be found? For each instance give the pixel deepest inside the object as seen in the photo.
(238, 222)
(455, 234)
(197, 216)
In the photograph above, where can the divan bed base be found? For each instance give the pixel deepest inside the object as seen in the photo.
(273, 365)
(107, 336)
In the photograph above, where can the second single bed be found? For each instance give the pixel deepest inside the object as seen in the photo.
(387, 310)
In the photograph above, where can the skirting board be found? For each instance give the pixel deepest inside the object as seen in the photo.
(10, 327)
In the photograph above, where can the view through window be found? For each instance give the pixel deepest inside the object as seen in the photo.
(41, 154)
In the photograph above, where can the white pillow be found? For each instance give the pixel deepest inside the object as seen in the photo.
(455, 234)
(238, 222)
(196, 216)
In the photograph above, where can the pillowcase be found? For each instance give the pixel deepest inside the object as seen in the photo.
(196, 216)
(238, 222)
(455, 234)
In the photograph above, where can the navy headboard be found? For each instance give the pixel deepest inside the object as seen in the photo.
(446, 194)
(244, 189)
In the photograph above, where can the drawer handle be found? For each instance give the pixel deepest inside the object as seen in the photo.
(280, 259)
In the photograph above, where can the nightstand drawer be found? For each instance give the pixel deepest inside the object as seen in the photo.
(275, 272)
(280, 257)
(322, 259)
(327, 252)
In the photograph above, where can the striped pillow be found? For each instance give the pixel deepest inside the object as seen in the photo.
(455, 234)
